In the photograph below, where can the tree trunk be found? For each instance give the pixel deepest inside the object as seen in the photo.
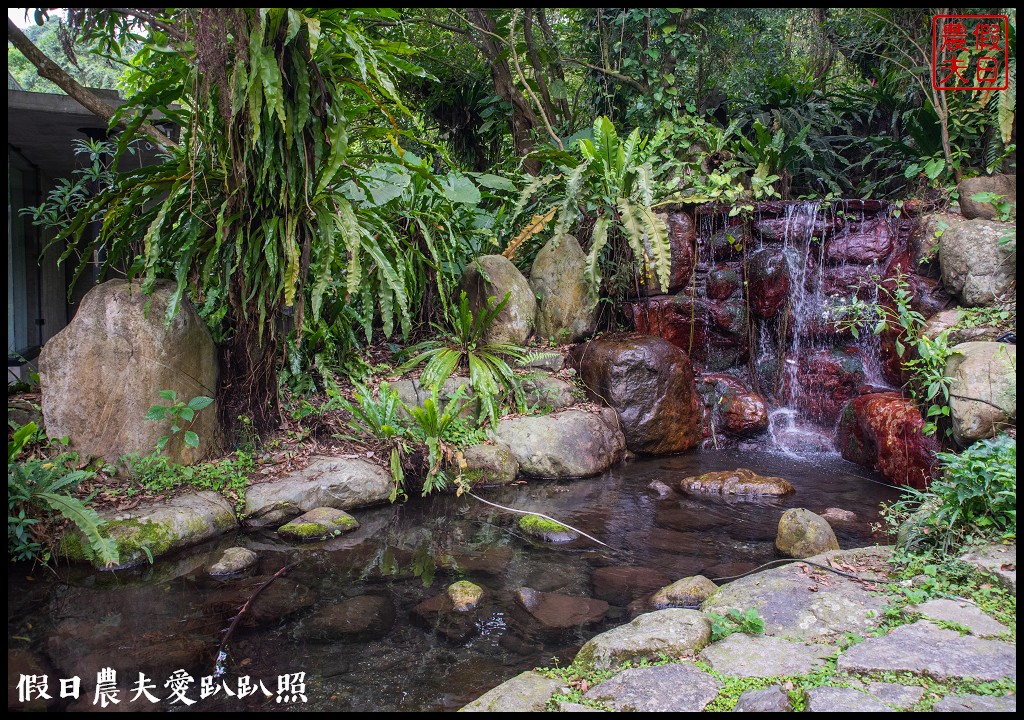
(524, 121)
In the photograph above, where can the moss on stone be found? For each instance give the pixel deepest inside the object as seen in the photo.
(307, 531)
(344, 523)
(131, 536)
(534, 524)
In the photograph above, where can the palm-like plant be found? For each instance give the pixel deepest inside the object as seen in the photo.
(464, 345)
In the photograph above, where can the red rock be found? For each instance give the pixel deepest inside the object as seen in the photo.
(801, 225)
(883, 430)
(769, 282)
(825, 380)
(560, 612)
(722, 282)
(732, 406)
(865, 243)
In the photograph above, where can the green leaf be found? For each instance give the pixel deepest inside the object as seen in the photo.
(169, 395)
(191, 439)
(200, 402)
(495, 182)
(157, 412)
(460, 189)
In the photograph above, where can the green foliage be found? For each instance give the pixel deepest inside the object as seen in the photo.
(973, 500)
(734, 621)
(178, 413)
(892, 313)
(463, 344)
(154, 473)
(39, 487)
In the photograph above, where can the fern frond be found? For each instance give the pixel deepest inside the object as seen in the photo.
(658, 245)
(88, 521)
(537, 224)
(592, 271)
(634, 233)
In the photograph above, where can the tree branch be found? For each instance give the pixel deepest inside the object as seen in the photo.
(48, 69)
(610, 73)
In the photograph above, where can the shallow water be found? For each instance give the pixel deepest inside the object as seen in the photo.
(78, 621)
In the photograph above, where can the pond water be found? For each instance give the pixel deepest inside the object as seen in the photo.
(172, 615)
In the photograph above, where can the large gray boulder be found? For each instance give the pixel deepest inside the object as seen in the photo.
(977, 264)
(1005, 185)
(568, 443)
(100, 375)
(983, 393)
(526, 692)
(341, 483)
(803, 533)
(566, 310)
(493, 276)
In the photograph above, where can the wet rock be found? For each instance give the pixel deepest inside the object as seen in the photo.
(742, 655)
(768, 281)
(660, 488)
(731, 406)
(792, 606)
(365, 617)
(846, 281)
(983, 392)
(157, 528)
(687, 592)
(928, 295)
(234, 560)
(668, 688)
(840, 699)
(546, 530)
(438, 614)
(649, 384)
(712, 333)
(281, 598)
(770, 699)
(567, 443)
(342, 483)
(728, 243)
(896, 696)
(826, 380)
(318, 524)
(526, 692)
(798, 224)
(864, 243)
(740, 481)
(544, 391)
(492, 562)
(100, 375)
(962, 613)
(976, 703)
(490, 464)
(722, 282)
(803, 534)
(884, 431)
(1005, 185)
(553, 611)
(620, 585)
(976, 265)
(494, 276)
(566, 311)
(673, 632)
(838, 515)
(926, 649)
(465, 596)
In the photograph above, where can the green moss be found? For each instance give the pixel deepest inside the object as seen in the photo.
(133, 537)
(307, 531)
(538, 525)
(344, 523)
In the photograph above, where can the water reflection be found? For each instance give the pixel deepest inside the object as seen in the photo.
(172, 615)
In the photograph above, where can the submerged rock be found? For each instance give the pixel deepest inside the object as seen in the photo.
(365, 617)
(465, 595)
(553, 611)
(649, 383)
(620, 585)
(233, 560)
(740, 481)
(803, 534)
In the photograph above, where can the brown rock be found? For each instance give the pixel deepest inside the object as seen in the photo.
(768, 281)
(560, 612)
(735, 482)
(864, 243)
(365, 617)
(620, 585)
(649, 384)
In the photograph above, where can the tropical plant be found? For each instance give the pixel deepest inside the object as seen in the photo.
(38, 487)
(464, 345)
(609, 189)
(380, 418)
(178, 413)
(431, 425)
(973, 500)
(734, 621)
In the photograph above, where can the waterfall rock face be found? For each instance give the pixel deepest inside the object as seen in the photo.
(649, 383)
(681, 236)
(769, 280)
(884, 431)
(712, 333)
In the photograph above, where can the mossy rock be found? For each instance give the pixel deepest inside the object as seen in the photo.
(136, 541)
(465, 595)
(318, 524)
(546, 530)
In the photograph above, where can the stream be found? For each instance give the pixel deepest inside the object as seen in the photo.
(172, 615)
